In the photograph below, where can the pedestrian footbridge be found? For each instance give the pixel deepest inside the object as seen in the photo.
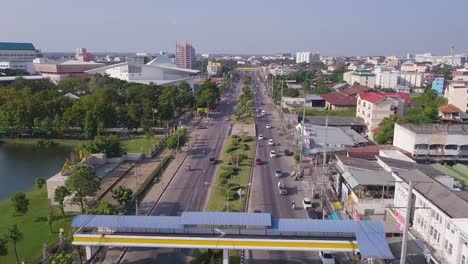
(226, 231)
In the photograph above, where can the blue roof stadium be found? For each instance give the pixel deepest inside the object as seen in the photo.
(16, 46)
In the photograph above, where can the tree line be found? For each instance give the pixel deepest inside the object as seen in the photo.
(41, 109)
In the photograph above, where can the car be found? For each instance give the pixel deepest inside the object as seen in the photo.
(271, 142)
(260, 137)
(213, 161)
(228, 119)
(201, 127)
(282, 188)
(272, 154)
(287, 152)
(306, 203)
(263, 112)
(257, 211)
(278, 173)
(327, 257)
(258, 162)
(268, 126)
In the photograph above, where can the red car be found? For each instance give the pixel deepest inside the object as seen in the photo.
(258, 162)
(257, 211)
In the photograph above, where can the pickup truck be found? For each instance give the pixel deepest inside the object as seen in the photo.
(213, 161)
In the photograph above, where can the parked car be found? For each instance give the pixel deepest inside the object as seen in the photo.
(260, 137)
(258, 162)
(271, 142)
(272, 154)
(257, 211)
(268, 126)
(287, 152)
(213, 161)
(306, 203)
(326, 257)
(278, 173)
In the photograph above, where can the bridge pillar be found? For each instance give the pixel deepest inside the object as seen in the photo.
(225, 256)
(90, 251)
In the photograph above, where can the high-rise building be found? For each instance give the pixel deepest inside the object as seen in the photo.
(185, 55)
(307, 57)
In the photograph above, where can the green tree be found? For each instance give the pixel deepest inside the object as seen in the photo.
(177, 139)
(62, 258)
(14, 236)
(122, 195)
(110, 145)
(385, 134)
(20, 203)
(104, 208)
(40, 182)
(82, 182)
(59, 196)
(3, 246)
(91, 124)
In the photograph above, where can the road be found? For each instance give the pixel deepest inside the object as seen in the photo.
(264, 189)
(187, 190)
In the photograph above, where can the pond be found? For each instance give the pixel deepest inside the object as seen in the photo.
(21, 164)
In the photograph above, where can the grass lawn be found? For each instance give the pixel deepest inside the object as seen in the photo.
(218, 195)
(453, 171)
(32, 141)
(314, 112)
(137, 144)
(33, 226)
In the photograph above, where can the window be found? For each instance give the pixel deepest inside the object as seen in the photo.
(450, 249)
(445, 244)
(431, 231)
(463, 260)
(364, 104)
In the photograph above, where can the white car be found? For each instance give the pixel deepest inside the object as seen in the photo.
(273, 155)
(260, 137)
(263, 112)
(306, 203)
(278, 174)
(271, 142)
(268, 126)
(326, 257)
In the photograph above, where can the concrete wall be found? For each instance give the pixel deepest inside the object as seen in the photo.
(404, 138)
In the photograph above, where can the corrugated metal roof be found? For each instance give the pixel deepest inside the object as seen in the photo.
(370, 235)
(226, 218)
(16, 46)
(126, 221)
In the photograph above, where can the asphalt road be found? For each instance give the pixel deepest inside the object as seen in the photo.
(188, 191)
(264, 190)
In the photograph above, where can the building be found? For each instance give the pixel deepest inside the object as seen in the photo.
(414, 67)
(311, 102)
(361, 77)
(439, 216)
(136, 59)
(438, 85)
(307, 57)
(433, 142)
(411, 79)
(18, 56)
(374, 107)
(185, 55)
(213, 68)
(457, 92)
(318, 138)
(343, 99)
(456, 60)
(56, 71)
(387, 79)
(355, 123)
(160, 71)
(450, 114)
(402, 89)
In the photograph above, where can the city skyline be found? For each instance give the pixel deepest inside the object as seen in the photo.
(331, 27)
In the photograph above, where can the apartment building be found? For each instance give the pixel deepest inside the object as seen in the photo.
(387, 79)
(185, 55)
(374, 107)
(457, 92)
(213, 68)
(307, 57)
(433, 142)
(411, 79)
(18, 56)
(414, 67)
(438, 85)
(362, 77)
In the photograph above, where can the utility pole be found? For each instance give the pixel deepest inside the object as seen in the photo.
(404, 244)
(302, 134)
(136, 188)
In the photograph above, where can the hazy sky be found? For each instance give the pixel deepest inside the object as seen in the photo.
(332, 27)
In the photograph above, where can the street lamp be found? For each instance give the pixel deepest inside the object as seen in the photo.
(227, 191)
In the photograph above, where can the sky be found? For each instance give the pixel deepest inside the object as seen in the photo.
(331, 27)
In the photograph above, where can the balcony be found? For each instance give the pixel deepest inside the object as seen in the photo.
(451, 150)
(421, 149)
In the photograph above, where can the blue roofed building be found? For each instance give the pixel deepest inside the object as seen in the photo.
(438, 85)
(18, 56)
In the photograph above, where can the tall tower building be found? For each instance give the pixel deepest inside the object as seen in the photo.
(185, 55)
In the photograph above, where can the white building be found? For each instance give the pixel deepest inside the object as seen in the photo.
(457, 92)
(433, 142)
(17, 56)
(307, 57)
(362, 77)
(16, 65)
(414, 67)
(160, 71)
(411, 79)
(387, 79)
(439, 215)
(455, 60)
